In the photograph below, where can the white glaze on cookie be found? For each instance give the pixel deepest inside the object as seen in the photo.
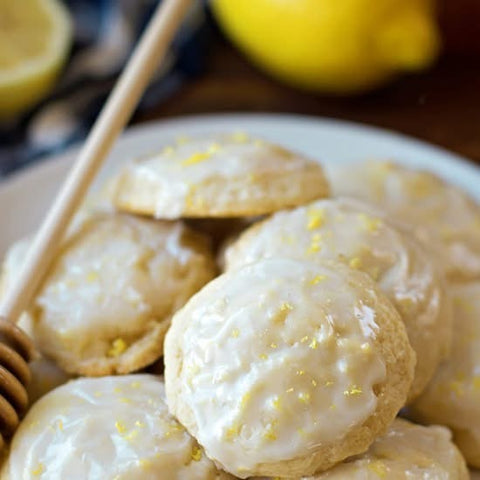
(440, 215)
(453, 396)
(406, 452)
(111, 428)
(224, 175)
(107, 301)
(273, 360)
(346, 231)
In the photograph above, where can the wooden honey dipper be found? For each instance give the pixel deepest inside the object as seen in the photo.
(16, 348)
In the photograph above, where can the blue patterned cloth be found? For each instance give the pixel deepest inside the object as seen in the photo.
(105, 34)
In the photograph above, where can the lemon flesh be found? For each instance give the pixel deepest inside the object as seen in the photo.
(35, 37)
(337, 46)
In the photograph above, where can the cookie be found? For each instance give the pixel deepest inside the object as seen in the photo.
(283, 368)
(111, 428)
(218, 176)
(406, 452)
(453, 396)
(344, 230)
(441, 215)
(108, 299)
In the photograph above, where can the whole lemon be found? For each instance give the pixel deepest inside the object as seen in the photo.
(338, 46)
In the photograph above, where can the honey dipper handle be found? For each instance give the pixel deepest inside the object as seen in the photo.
(113, 117)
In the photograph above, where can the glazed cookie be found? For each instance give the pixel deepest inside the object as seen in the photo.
(343, 230)
(453, 396)
(406, 452)
(222, 176)
(284, 368)
(442, 216)
(110, 428)
(109, 297)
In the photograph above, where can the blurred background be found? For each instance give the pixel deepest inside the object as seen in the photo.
(408, 65)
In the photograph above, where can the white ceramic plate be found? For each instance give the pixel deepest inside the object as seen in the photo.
(25, 196)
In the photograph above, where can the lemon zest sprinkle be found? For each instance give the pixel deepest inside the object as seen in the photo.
(285, 307)
(120, 426)
(316, 218)
(196, 454)
(118, 347)
(317, 279)
(371, 224)
(315, 243)
(39, 469)
(304, 397)
(132, 435)
(231, 432)
(355, 263)
(352, 390)
(173, 429)
(245, 399)
(269, 434)
(195, 158)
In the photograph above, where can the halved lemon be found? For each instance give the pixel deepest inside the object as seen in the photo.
(35, 38)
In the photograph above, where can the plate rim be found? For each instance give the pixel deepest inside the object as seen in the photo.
(49, 161)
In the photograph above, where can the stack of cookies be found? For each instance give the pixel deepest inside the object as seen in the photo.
(296, 318)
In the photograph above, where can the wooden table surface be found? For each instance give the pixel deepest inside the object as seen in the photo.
(441, 106)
